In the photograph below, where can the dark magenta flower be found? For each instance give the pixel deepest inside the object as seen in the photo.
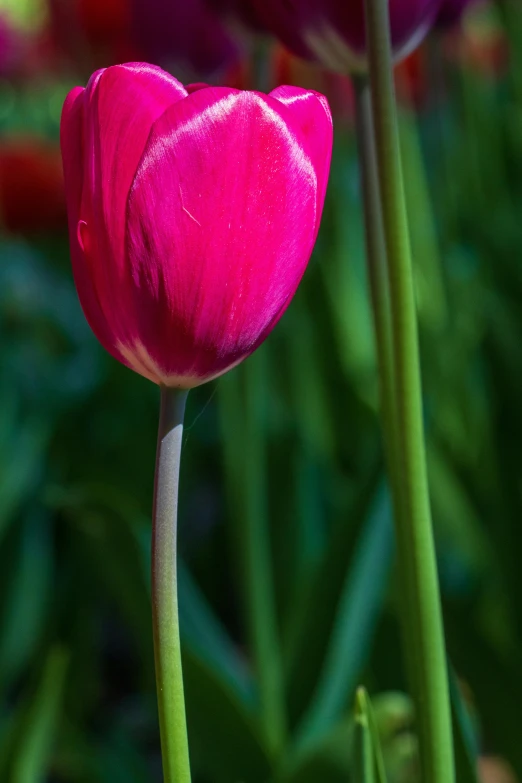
(192, 214)
(450, 12)
(332, 32)
(183, 33)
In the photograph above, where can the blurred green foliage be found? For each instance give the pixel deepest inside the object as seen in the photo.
(288, 594)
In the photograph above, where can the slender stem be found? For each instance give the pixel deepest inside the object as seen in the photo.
(430, 680)
(167, 652)
(377, 274)
(381, 311)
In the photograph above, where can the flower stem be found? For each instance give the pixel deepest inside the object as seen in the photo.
(377, 275)
(167, 652)
(429, 678)
(377, 266)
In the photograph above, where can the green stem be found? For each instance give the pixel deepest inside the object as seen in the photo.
(377, 274)
(430, 680)
(377, 266)
(167, 652)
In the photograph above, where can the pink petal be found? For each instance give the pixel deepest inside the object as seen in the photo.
(122, 103)
(222, 217)
(126, 100)
(310, 110)
(72, 148)
(195, 86)
(71, 140)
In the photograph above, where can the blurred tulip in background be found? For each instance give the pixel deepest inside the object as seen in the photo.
(332, 32)
(450, 12)
(186, 35)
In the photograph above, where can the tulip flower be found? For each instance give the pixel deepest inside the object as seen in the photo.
(192, 215)
(332, 32)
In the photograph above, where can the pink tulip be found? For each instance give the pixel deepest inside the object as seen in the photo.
(192, 215)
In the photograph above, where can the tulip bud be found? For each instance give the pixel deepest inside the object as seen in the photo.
(332, 32)
(192, 215)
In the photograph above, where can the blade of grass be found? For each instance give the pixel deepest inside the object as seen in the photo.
(34, 749)
(357, 613)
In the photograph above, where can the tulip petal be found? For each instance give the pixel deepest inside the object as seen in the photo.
(71, 138)
(196, 86)
(118, 134)
(221, 221)
(71, 141)
(114, 137)
(310, 110)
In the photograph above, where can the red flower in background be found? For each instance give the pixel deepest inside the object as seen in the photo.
(32, 198)
(412, 79)
(104, 21)
(186, 34)
(90, 33)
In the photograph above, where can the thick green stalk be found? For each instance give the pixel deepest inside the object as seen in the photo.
(430, 680)
(167, 652)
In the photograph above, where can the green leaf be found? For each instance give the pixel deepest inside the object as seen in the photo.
(368, 761)
(21, 462)
(222, 732)
(329, 759)
(357, 613)
(26, 595)
(317, 604)
(466, 744)
(204, 634)
(113, 758)
(363, 754)
(246, 479)
(35, 744)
